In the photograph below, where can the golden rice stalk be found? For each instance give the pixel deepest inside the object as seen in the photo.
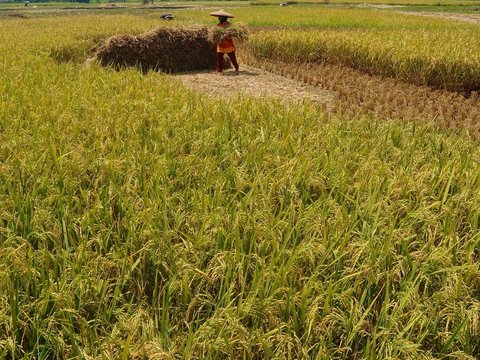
(237, 32)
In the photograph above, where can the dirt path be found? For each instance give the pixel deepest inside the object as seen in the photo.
(468, 18)
(252, 81)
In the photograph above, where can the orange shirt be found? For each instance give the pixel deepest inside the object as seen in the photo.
(225, 46)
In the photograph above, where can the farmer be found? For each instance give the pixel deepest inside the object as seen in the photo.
(225, 46)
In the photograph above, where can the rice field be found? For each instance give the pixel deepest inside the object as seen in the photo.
(424, 51)
(323, 17)
(444, 58)
(140, 219)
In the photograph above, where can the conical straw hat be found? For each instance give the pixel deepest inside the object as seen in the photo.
(222, 13)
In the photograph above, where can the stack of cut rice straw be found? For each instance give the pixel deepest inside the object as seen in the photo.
(237, 32)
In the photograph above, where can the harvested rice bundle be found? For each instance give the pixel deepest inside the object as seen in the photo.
(237, 32)
(164, 49)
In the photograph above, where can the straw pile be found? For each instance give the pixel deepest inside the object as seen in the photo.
(164, 49)
(237, 32)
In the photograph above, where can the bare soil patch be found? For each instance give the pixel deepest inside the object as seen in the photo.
(18, 16)
(468, 18)
(256, 82)
(379, 6)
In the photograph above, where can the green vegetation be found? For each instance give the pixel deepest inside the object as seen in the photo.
(317, 17)
(140, 219)
(436, 5)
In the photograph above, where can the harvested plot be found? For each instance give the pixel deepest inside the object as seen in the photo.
(468, 18)
(164, 49)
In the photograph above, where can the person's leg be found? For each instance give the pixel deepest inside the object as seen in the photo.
(233, 59)
(219, 64)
